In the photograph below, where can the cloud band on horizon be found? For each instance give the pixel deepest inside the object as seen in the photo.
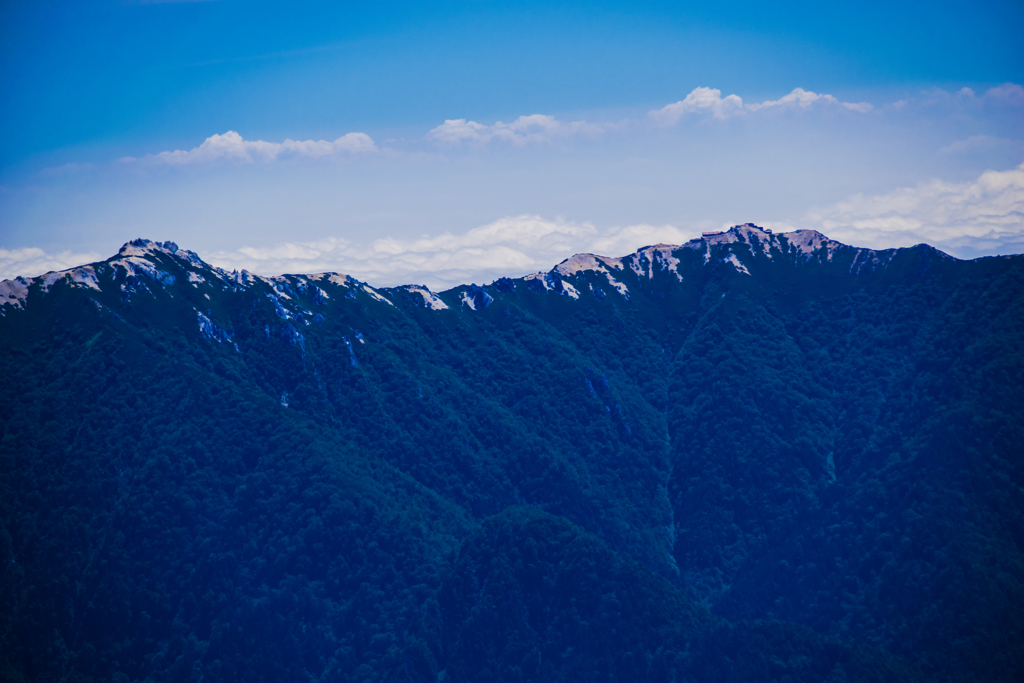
(982, 216)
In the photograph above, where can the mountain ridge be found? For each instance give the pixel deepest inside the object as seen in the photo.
(804, 468)
(805, 244)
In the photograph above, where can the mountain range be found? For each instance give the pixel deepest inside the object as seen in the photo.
(753, 456)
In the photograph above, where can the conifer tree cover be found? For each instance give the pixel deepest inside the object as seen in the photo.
(751, 457)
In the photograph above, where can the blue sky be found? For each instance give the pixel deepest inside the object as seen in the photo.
(875, 122)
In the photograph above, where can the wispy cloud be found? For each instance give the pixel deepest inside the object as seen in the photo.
(983, 216)
(32, 261)
(710, 101)
(975, 143)
(536, 128)
(232, 147)
(618, 241)
(1006, 94)
(968, 219)
(805, 98)
(700, 100)
(513, 245)
(540, 128)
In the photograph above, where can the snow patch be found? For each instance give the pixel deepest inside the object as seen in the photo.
(136, 265)
(374, 294)
(583, 262)
(569, 290)
(731, 258)
(143, 247)
(430, 300)
(281, 311)
(14, 293)
(656, 256)
(580, 263)
(334, 278)
(351, 352)
(211, 330)
(539, 278)
(619, 287)
(84, 276)
(807, 242)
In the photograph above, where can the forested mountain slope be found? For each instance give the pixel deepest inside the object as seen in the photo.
(749, 457)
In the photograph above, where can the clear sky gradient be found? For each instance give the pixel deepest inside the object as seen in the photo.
(908, 126)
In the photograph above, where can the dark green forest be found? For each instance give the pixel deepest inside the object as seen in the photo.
(753, 457)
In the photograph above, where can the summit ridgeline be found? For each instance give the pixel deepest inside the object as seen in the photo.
(142, 263)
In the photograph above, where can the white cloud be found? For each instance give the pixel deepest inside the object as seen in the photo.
(1006, 94)
(232, 147)
(626, 240)
(976, 143)
(805, 98)
(710, 101)
(510, 246)
(32, 261)
(969, 144)
(1001, 97)
(983, 216)
(536, 128)
(707, 100)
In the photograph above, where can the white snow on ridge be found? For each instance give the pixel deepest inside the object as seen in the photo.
(660, 255)
(539, 277)
(349, 281)
(14, 292)
(85, 276)
(136, 265)
(587, 262)
(580, 262)
(731, 258)
(334, 278)
(619, 287)
(809, 241)
(374, 293)
(430, 300)
(636, 265)
(569, 290)
(554, 281)
(280, 285)
(143, 247)
(147, 259)
(804, 242)
(467, 301)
